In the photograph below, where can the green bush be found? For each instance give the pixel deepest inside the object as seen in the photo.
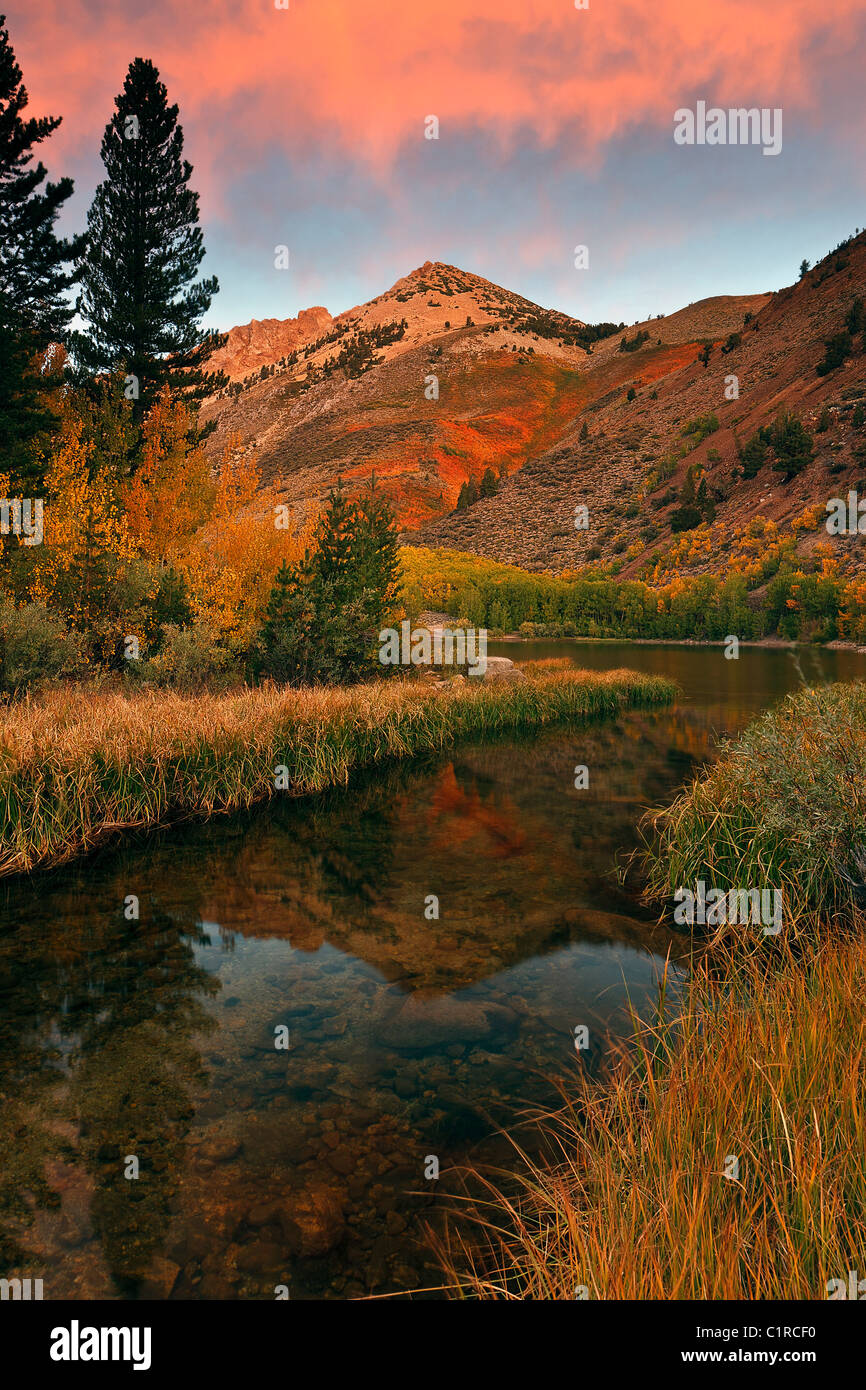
(188, 659)
(35, 647)
(837, 349)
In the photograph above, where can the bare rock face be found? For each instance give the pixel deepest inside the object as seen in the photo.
(263, 341)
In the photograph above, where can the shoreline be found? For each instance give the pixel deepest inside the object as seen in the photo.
(118, 763)
(837, 645)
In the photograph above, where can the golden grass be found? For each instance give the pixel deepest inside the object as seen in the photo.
(78, 766)
(635, 1204)
(783, 807)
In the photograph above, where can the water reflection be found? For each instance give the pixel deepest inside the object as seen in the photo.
(410, 1035)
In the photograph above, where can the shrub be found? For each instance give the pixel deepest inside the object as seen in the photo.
(35, 647)
(792, 445)
(836, 349)
(188, 659)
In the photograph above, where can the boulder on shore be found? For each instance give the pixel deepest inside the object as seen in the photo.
(500, 668)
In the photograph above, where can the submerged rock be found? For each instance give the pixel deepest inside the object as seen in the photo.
(318, 1213)
(422, 1023)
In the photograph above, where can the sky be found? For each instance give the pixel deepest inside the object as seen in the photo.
(307, 128)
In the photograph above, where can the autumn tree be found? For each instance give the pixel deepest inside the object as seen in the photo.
(171, 495)
(86, 542)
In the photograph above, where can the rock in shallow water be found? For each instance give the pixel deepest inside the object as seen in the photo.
(421, 1023)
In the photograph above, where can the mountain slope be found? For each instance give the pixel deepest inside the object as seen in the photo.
(631, 469)
(428, 385)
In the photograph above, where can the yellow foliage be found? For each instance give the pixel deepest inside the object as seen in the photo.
(170, 496)
(84, 529)
(232, 561)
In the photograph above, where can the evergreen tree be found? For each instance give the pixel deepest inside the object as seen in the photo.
(489, 485)
(753, 455)
(687, 515)
(324, 614)
(687, 495)
(140, 299)
(792, 445)
(837, 349)
(855, 319)
(376, 559)
(36, 267)
(704, 502)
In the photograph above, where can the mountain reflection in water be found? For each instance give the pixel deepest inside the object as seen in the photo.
(154, 1039)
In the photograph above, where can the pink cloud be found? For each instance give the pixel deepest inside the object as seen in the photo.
(358, 80)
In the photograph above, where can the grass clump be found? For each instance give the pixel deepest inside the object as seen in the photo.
(783, 807)
(78, 766)
(632, 1200)
(722, 1155)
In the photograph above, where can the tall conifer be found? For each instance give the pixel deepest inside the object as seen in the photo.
(140, 299)
(36, 268)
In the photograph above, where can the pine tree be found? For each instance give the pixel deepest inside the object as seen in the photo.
(489, 485)
(792, 445)
(324, 614)
(36, 268)
(376, 557)
(140, 299)
(687, 495)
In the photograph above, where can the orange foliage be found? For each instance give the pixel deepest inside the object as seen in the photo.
(171, 494)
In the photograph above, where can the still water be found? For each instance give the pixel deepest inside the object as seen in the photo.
(148, 1045)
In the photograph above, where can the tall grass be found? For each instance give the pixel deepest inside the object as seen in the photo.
(76, 767)
(784, 807)
(637, 1194)
(634, 1202)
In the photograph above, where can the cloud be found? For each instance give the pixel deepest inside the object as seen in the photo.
(306, 126)
(358, 80)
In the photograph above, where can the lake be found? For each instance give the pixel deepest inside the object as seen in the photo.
(250, 1083)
